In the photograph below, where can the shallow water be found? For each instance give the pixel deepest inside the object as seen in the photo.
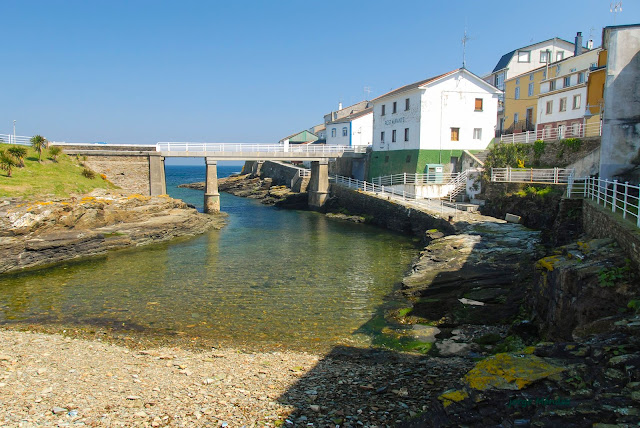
(269, 278)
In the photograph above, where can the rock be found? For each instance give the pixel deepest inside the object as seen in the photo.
(58, 410)
(4, 357)
(512, 218)
(134, 397)
(506, 371)
(314, 407)
(208, 381)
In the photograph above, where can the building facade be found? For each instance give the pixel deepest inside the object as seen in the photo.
(431, 122)
(353, 130)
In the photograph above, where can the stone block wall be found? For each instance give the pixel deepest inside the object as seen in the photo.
(387, 214)
(599, 222)
(128, 172)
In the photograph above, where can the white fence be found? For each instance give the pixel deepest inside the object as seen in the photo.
(575, 131)
(409, 178)
(531, 175)
(316, 149)
(436, 205)
(18, 139)
(619, 197)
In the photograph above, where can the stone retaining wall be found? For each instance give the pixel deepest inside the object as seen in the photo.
(388, 214)
(128, 172)
(599, 222)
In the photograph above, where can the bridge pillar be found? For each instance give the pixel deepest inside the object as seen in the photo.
(319, 183)
(157, 182)
(211, 195)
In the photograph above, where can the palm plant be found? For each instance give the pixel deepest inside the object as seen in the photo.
(7, 162)
(18, 152)
(55, 151)
(39, 143)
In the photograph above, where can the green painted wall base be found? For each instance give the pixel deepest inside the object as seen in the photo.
(409, 161)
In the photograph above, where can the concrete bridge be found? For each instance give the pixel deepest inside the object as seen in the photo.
(141, 168)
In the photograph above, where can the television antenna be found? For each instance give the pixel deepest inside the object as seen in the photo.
(614, 8)
(465, 39)
(367, 92)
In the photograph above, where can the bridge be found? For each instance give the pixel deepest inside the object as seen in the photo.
(115, 160)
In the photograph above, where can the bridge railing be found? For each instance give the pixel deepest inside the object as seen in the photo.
(18, 139)
(409, 178)
(531, 175)
(623, 198)
(231, 148)
(398, 195)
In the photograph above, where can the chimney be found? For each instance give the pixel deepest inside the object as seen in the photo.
(339, 106)
(578, 49)
(590, 44)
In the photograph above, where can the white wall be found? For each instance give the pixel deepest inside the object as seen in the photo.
(362, 130)
(339, 139)
(399, 121)
(450, 103)
(516, 68)
(557, 115)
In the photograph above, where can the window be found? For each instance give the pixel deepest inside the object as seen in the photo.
(477, 133)
(544, 56)
(395, 107)
(516, 117)
(524, 56)
(563, 104)
(333, 132)
(531, 76)
(559, 55)
(382, 137)
(517, 96)
(478, 106)
(406, 134)
(549, 107)
(575, 129)
(577, 101)
(393, 136)
(544, 74)
(344, 131)
(517, 81)
(530, 92)
(500, 81)
(406, 104)
(455, 134)
(581, 77)
(383, 110)
(552, 85)
(567, 81)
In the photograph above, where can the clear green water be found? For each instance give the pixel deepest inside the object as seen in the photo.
(270, 278)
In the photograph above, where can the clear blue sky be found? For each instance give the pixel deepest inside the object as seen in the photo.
(246, 71)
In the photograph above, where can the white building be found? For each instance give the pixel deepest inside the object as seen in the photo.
(431, 122)
(353, 130)
(563, 95)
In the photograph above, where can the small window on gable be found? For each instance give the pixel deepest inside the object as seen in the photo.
(345, 132)
(544, 56)
(395, 107)
(478, 106)
(383, 112)
(333, 132)
(455, 134)
(559, 55)
(406, 104)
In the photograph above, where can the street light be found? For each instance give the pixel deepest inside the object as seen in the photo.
(14, 131)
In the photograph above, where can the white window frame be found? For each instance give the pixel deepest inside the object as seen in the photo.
(333, 132)
(530, 90)
(566, 81)
(524, 56)
(544, 56)
(549, 107)
(477, 133)
(577, 101)
(563, 104)
(559, 55)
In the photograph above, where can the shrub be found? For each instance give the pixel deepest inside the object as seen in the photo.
(18, 153)
(538, 150)
(88, 173)
(503, 155)
(573, 144)
(55, 151)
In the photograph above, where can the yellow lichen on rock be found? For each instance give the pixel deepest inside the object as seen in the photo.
(547, 262)
(506, 371)
(449, 397)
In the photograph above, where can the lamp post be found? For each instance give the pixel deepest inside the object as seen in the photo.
(14, 131)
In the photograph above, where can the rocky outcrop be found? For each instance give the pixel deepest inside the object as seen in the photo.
(42, 233)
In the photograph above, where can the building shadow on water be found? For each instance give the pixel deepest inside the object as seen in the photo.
(385, 386)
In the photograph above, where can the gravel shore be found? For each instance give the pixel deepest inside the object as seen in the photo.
(52, 380)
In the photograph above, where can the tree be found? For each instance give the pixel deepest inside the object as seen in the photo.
(7, 162)
(19, 153)
(55, 151)
(39, 143)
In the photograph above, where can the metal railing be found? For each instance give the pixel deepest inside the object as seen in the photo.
(300, 175)
(623, 198)
(403, 196)
(409, 178)
(531, 175)
(18, 139)
(459, 184)
(316, 149)
(575, 131)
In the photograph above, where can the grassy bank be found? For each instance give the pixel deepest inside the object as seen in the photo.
(48, 178)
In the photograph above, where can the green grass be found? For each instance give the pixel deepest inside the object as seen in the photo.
(48, 178)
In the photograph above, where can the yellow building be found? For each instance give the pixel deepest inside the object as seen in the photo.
(595, 92)
(521, 100)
